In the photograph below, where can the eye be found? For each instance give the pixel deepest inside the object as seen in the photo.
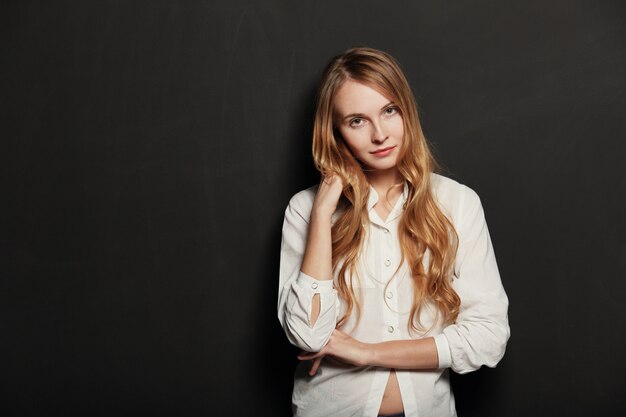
(356, 122)
(390, 111)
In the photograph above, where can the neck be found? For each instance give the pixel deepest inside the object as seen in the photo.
(382, 181)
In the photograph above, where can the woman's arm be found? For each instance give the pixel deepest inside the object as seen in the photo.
(398, 354)
(481, 331)
(404, 354)
(317, 260)
(307, 304)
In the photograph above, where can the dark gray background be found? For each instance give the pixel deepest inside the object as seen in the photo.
(149, 149)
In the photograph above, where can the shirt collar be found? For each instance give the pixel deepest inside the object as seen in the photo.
(397, 209)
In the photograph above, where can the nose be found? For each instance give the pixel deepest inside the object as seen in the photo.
(378, 134)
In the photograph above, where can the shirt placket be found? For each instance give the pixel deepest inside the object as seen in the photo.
(390, 259)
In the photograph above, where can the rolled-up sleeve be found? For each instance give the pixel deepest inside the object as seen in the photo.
(481, 331)
(296, 289)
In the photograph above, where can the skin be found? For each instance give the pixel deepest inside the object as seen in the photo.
(372, 127)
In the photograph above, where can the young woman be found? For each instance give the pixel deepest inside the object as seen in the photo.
(387, 275)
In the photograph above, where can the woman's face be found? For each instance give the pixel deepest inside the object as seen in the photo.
(370, 123)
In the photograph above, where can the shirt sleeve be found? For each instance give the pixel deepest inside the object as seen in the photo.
(296, 289)
(481, 331)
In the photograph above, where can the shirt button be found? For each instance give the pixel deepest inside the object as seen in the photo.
(314, 285)
(389, 295)
(385, 231)
(390, 329)
(387, 262)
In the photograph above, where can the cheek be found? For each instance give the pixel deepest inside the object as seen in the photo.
(398, 131)
(353, 140)
(399, 127)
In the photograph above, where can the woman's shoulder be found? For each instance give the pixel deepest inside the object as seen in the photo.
(452, 194)
(302, 201)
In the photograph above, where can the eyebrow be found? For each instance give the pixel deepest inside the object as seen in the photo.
(361, 115)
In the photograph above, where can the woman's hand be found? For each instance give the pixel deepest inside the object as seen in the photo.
(340, 346)
(327, 196)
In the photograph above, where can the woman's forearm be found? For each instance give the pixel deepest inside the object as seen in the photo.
(403, 354)
(397, 354)
(318, 255)
(317, 260)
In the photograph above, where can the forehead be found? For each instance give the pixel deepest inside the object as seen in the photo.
(355, 97)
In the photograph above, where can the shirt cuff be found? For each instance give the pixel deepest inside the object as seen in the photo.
(443, 351)
(317, 286)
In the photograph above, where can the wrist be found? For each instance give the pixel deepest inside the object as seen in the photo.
(369, 354)
(321, 216)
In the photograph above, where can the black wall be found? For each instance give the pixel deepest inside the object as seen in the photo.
(149, 148)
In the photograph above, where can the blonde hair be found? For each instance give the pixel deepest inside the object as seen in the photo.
(423, 226)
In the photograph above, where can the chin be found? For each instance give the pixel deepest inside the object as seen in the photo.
(381, 167)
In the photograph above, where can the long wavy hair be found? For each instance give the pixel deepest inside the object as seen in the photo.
(423, 227)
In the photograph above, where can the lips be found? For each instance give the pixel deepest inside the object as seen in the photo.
(383, 151)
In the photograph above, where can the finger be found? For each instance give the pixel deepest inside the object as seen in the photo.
(305, 356)
(316, 364)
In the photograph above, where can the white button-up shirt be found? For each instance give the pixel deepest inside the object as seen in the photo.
(478, 337)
